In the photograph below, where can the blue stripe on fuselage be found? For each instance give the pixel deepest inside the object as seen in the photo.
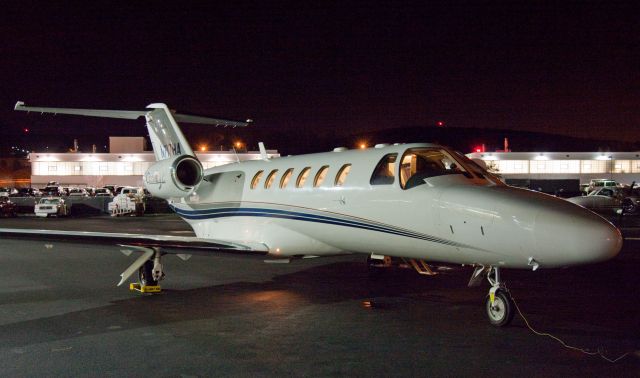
(292, 215)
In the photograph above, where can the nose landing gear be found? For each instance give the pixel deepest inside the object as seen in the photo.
(499, 305)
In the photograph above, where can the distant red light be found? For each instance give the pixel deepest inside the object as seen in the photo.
(440, 123)
(26, 130)
(478, 149)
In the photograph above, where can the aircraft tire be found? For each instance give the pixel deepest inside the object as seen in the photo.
(502, 312)
(145, 274)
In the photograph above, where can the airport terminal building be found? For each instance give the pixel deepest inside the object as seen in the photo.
(125, 164)
(623, 167)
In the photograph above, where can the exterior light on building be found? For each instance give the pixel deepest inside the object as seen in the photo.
(203, 148)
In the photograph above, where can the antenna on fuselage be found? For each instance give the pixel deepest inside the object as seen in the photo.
(263, 151)
(236, 155)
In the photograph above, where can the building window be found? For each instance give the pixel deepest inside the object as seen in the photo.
(322, 173)
(621, 166)
(302, 177)
(285, 178)
(256, 179)
(53, 168)
(594, 166)
(341, 177)
(269, 181)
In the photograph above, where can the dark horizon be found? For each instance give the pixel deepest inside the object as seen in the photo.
(300, 69)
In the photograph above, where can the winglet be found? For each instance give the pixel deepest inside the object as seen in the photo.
(19, 104)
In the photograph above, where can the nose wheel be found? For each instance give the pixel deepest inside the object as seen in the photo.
(499, 305)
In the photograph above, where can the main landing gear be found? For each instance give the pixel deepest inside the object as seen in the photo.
(499, 305)
(149, 268)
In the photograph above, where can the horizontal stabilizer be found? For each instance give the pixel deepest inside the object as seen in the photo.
(126, 114)
(184, 118)
(129, 114)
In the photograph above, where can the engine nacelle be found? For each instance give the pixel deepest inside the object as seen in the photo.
(173, 178)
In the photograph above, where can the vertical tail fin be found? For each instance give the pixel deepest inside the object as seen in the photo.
(165, 134)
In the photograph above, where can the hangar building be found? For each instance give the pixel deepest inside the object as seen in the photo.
(623, 167)
(125, 164)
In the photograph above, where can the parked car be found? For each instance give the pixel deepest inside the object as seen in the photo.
(78, 192)
(8, 208)
(102, 192)
(7, 191)
(49, 206)
(52, 190)
(112, 188)
(132, 191)
(608, 198)
(584, 189)
(601, 183)
(26, 192)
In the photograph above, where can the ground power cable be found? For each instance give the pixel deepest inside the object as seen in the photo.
(564, 344)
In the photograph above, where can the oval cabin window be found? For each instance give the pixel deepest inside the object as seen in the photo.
(320, 176)
(341, 177)
(285, 178)
(256, 180)
(302, 177)
(270, 179)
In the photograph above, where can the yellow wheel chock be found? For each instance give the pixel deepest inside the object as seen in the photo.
(144, 289)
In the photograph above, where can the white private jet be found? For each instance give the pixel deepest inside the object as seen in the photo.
(419, 202)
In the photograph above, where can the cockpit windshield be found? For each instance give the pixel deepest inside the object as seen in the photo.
(478, 170)
(418, 164)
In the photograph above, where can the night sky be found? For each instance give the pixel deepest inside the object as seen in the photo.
(559, 67)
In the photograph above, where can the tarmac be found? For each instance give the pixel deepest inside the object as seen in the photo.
(61, 314)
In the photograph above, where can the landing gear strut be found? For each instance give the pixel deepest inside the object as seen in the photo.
(151, 271)
(145, 274)
(499, 305)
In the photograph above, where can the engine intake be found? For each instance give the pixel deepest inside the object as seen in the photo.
(174, 177)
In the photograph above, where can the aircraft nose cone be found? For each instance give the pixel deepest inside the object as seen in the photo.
(571, 235)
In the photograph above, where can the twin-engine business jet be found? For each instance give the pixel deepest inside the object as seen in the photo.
(419, 202)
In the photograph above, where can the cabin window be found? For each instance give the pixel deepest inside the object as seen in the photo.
(256, 180)
(285, 178)
(384, 174)
(420, 163)
(320, 176)
(341, 177)
(270, 179)
(302, 177)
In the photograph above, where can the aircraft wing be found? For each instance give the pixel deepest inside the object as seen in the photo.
(148, 245)
(169, 244)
